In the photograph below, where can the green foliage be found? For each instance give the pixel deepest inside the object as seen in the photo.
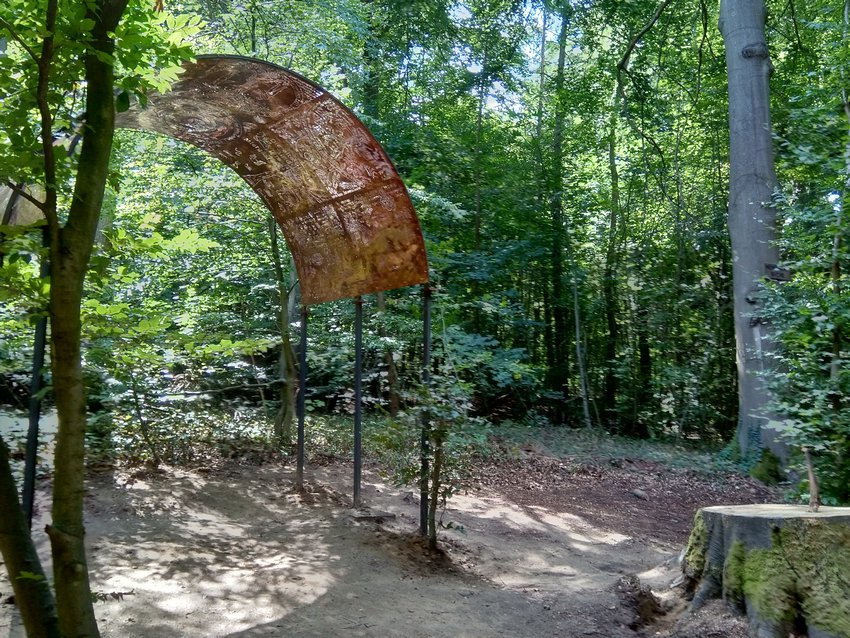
(498, 379)
(182, 295)
(768, 470)
(30, 576)
(811, 313)
(149, 49)
(177, 306)
(446, 406)
(180, 431)
(23, 295)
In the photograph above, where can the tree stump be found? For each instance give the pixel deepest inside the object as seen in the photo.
(785, 567)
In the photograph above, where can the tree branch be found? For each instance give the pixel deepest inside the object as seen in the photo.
(623, 64)
(19, 40)
(20, 191)
(45, 61)
(796, 25)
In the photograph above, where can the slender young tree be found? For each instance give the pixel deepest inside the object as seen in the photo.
(71, 246)
(556, 204)
(72, 43)
(614, 242)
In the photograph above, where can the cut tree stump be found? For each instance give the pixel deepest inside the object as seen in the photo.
(785, 567)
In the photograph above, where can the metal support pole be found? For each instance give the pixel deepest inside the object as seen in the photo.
(40, 341)
(302, 390)
(426, 426)
(358, 391)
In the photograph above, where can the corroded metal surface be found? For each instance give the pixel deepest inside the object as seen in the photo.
(344, 211)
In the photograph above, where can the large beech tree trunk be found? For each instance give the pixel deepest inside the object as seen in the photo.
(785, 567)
(752, 220)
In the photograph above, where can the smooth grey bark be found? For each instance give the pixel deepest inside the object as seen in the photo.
(752, 219)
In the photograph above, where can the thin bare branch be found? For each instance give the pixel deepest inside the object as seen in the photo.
(623, 64)
(20, 191)
(796, 24)
(19, 39)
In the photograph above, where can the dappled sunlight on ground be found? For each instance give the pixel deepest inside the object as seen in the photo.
(235, 551)
(202, 550)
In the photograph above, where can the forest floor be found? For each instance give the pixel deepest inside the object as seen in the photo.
(542, 544)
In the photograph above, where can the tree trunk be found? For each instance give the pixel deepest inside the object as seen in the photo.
(784, 566)
(389, 359)
(479, 124)
(643, 392)
(70, 251)
(752, 220)
(609, 277)
(438, 440)
(582, 366)
(838, 336)
(556, 181)
(32, 590)
(286, 414)
(609, 282)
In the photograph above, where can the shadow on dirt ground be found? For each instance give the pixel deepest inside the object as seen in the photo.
(236, 551)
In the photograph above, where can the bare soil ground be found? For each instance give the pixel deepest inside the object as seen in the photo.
(540, 546)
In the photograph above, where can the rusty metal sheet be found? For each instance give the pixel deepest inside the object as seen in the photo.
(339, 200)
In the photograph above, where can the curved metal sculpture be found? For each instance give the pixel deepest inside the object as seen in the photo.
(341, 204)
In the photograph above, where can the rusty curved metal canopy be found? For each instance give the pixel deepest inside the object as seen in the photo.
(340, 202)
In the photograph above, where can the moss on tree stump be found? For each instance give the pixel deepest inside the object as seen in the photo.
(786, 568)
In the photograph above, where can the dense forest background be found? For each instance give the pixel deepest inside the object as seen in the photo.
(569, 165)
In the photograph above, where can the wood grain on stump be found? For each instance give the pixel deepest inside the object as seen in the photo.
(786, 568)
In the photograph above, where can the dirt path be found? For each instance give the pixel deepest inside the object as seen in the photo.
(236, 552)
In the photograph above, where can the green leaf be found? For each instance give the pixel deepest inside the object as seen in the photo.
(32, 576)
(122, 101)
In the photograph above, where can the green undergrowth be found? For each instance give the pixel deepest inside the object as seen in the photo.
(191, 432)
(588, 445)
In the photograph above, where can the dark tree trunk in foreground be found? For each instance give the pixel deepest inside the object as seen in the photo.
(71, 247)
(752, 220)
(785, 567)
(32, 590)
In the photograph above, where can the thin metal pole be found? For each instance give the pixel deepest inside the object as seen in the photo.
(358, 391)
(426, 426)
(302, 390)
(39, 343)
